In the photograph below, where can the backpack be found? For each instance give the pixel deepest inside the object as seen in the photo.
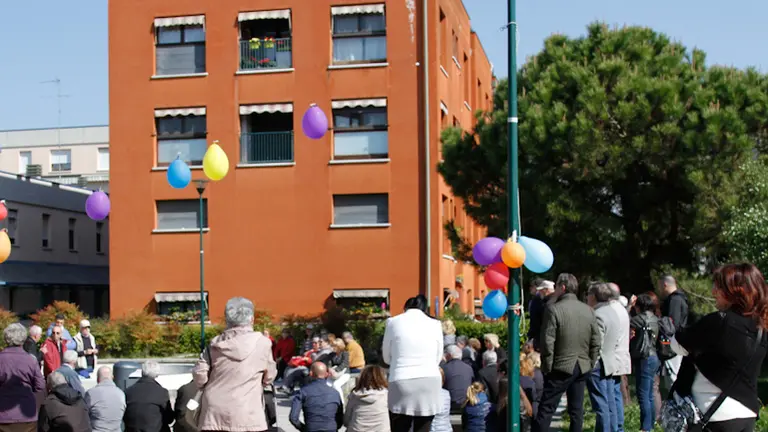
(664, 344)
(641, 344)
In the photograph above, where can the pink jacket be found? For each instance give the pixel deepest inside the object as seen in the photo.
(233, 392)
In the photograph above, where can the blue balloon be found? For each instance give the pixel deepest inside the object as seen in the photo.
(538, 256)
(495, 304)
(179, 174)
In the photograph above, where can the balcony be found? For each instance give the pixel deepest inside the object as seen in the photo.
(266, 53)
(266, 147)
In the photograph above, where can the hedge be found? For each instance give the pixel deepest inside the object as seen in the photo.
(139, 334)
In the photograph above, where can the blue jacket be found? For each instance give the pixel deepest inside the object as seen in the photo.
(473, 417)
(322, 406)
(72, 377)
(64, 335)
(458, 377)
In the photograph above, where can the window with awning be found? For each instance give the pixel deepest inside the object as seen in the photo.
(266, 133)
(181, 132)
(180, 45)
(179, 302)
(265, 39)
(360, 129)
(359, 34)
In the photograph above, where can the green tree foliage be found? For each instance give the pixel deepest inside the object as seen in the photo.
(628, 146)
(747, 230)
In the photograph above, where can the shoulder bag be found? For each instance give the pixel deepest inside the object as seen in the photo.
(192, 413)
(680, 413)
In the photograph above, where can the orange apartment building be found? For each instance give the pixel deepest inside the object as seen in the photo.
(297, 223)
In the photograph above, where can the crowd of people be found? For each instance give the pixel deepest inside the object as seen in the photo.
(429, 379)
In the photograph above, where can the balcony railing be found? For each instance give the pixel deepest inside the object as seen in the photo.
(266, 147)
(266, 53)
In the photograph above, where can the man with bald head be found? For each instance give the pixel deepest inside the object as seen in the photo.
(321, 403)
(106, 403)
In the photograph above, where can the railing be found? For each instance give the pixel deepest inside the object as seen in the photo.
(266, 147)
(266, 53)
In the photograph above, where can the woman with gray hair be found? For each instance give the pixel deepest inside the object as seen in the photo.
(232, 374)
(20, 379)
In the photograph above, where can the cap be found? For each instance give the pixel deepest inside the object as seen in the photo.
(310, 326)
(545, 285)
(84, 324)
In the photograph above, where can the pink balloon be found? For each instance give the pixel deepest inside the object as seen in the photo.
(496, 276)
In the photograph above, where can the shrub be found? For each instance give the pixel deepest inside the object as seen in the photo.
(189, 338)
(168, 343)
(108, 337)
(139, 333)
(6, 318)
(72, 316)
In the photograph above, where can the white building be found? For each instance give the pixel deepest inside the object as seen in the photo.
(72, 155)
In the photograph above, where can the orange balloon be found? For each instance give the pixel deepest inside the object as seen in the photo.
(513, 254)
(5, 246)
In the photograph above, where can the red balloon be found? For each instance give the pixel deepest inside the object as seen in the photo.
(496, 276)
(3, 211)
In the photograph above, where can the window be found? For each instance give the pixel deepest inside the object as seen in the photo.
(72, 235)
(443, 46)
(46, 231)
(455, 50)
(371, 209)
(359, 37)
(11, 225)
(467, 82)
(181, 136)
(25, 159)
(179, 215)
(360, 133)
(102, 164)
(180, 49)
(61, 160)
(99, 229)
(447, 248)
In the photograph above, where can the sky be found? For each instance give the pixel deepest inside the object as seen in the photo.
(44, 40)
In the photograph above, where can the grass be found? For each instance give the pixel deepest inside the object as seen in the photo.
(632, 411)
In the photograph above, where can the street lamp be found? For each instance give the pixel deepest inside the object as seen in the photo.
(200, 186)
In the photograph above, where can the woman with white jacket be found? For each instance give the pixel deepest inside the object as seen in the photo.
(413, 349)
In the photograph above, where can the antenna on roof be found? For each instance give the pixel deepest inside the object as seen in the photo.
(59, 96)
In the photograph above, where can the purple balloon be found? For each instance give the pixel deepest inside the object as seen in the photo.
(97, 206)
(314, 122)
(488, 251)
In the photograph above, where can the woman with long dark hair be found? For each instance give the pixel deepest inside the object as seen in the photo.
(725, 351)
(644, 330)
(413, 349)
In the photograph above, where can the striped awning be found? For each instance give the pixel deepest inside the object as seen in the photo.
(358, 9)
(261, 15)
(175, 297)
(361, 293)
(266, 108)
(355, 103)
(180, 21)
(174, 112)
(443, 107)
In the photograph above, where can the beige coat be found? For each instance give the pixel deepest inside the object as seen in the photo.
(82, 363)
(233, 392)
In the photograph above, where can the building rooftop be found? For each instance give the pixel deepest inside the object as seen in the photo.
(54, 136)
(35, 191)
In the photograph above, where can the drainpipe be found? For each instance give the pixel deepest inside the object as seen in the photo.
(427, 161)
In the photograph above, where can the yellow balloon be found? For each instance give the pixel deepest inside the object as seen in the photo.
(215, 162)
(5, 246)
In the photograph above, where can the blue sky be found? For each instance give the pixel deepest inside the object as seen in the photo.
(45, 39)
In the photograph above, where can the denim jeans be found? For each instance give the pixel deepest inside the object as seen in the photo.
(607, 403)
(645, 371)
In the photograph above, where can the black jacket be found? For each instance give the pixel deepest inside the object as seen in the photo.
(148, 407)
(721, 345)
(675, 306)
(31, 347)
(64, 410)
(184, 395)
(489, 376)
(458, 377)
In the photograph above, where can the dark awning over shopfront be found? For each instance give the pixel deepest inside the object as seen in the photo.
(22, 273)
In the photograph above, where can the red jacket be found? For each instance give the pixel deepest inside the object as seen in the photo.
(52, 359)
(285, 349)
